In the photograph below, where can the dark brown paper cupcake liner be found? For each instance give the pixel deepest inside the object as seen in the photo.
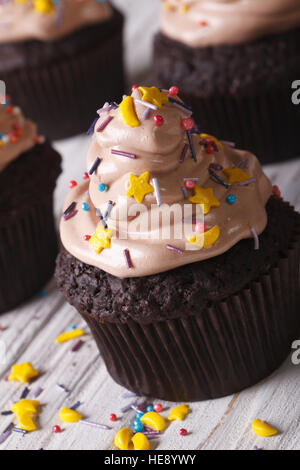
(62, 96)
(230, 346)
(240, 93)
(28, 248)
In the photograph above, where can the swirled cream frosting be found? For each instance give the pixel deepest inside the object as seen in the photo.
(48, 20)
(17, 134)
(159, 193)
(202, 23)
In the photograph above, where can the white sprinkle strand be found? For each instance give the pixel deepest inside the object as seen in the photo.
(147, 104)
(157, 191)
(256, 239)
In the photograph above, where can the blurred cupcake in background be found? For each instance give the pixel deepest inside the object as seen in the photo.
(58, 57)
(234, 62)
(29, 167)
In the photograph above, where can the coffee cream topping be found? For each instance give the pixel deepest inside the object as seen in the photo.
(140, 160)
(48, 20)
(202, 23)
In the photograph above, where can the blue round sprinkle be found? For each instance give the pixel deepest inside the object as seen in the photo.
(102, 187)
(138, 416)
(149, 408)
(85, 206)
(138, 427)
(231, 198)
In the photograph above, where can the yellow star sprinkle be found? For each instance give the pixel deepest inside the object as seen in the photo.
(139, 186)
(236, 175)
(206, 197)
(24, 409)
(22, 373)
(69, 335)
(178, 413)
(101, 238)
(43, 6)
(203, 240)
(153, 95)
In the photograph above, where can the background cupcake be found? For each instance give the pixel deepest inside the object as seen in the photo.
(57, 57)
(29, 167)
(186, 315)
(234, 62)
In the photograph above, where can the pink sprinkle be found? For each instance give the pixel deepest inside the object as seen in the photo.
(70, 215)
(104, 124)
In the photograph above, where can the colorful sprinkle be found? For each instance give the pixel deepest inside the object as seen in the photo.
(191, 143)
(127, 112)
(255, 237)
(173, 91)
(22, 373)
(218, 178)
(112, 417)
(85, 206)
(174, 248)
(148, 105)
(95, 425)
(276, 191)
(231, 199)
(70, 215)
(128, 258)
(101, 239)
(139, 186)
(94, 166)
(102, 187)
(72, 184)
(189, 184)
(87, 237)
(158, 407)
(104, 124)
(70, 208)
(85, 176)
(77, 346)
(153, 95)
(68, 335)
(183, 432)
(158, 120)
(108, 209)
(56, 429)
(123, 154)
(187, 124)
(91, 128)
(215, 166)
(183, 153)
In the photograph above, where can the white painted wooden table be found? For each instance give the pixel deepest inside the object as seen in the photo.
(30, 332)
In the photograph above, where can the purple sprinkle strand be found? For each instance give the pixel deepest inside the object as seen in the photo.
(92, 126)
(21, 431)
(129, 395)
(179, 103)
(95, 166)
(244, 183)
(191, 179)
(128, 258)
(123, 154)
(6, 434)
(6, 413)
(215, 166)
(37, 392)
(128, 407)
(183, 153)
(104, 124)
(70, 208)
(102, 220)
(77, 346)
(70, 215)
(95, 425)
(239, 164)
(256, 239)
(174, 248)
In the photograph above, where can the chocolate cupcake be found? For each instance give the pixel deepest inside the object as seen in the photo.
(29, 167)
(178, 255)
(235, 62)
(57, 57)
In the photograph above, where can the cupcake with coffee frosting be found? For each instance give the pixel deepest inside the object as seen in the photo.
(178, 255)
(235, 62)
(46, 49)
(29, 167)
